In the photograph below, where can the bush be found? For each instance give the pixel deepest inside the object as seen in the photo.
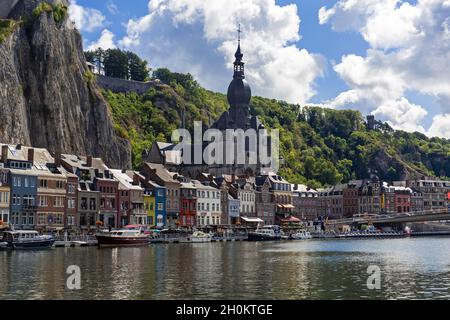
(60, 11)
(41, 8)
(7, 27)
(89, 77)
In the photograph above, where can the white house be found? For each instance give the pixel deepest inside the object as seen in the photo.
(208, 205)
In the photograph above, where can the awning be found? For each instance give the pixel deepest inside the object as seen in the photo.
(291, 219)
(252, 220)
(133, 226)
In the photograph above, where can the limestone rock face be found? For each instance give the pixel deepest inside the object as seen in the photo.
(48, 98)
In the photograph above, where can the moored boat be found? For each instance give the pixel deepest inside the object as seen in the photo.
(264, 234)
(23, 239)
(199, 237)
(301, 235)
(123, 237)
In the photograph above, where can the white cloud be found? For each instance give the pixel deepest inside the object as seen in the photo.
(402, 115)
(86, 19)
(106, 41)
(409, 52)
(112, 8)
(200, 37)
(440, 126)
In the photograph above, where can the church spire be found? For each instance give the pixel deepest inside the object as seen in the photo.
(239, 92)
(238, 63)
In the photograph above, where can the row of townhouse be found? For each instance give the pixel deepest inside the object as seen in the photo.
(376, 197)
(43, 190)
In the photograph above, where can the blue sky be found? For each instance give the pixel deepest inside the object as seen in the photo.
(370, 55)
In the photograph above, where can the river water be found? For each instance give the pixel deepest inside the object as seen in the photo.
(330, 269)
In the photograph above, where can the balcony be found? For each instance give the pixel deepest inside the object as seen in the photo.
(29, 208)
(138, 212)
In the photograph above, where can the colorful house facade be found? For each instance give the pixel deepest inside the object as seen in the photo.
(23, 185)
(5, 197)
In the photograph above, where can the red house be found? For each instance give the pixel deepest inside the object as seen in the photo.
(402, 200)
(188, 211)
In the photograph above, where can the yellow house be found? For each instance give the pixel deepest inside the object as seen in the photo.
(5, 193)
(149, 207)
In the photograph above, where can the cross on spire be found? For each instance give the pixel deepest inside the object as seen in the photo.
(239, 33)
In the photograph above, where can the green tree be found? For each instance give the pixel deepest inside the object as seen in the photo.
(116, 64)
(137, 68)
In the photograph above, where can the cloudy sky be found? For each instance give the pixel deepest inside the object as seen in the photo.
(389, 58)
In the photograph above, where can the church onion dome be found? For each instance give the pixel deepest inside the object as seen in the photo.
(239, 91)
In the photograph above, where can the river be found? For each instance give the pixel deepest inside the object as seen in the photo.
(331, 269)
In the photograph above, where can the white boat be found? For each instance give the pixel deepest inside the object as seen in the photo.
(22, 239)
(301, 235)
(199, 237)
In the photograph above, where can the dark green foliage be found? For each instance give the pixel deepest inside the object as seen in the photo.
(137, 68)
(320, 146)
(7, 27)
(119, 64)
(115, 64)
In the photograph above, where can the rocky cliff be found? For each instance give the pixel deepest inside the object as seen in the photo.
(48, 98)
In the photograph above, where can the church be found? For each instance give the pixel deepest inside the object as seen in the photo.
(236, 118)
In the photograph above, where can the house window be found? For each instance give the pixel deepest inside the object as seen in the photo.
(92, 204)
(58, 218)
(43, 183)
(42, 201)
(42, 218)
(70, 220)
(58, 202)
(31, 219)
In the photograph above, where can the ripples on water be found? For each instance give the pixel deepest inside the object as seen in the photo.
(410, 269)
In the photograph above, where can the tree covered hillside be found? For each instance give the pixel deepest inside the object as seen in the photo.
(320, 146)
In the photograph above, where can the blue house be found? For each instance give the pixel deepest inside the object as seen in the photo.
(160, 208)
(155, 202)
(23, 183)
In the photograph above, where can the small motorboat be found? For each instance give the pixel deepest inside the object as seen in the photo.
(301, 235)
(123, 237)
(23, 239)
(264, 234)
(200, 237)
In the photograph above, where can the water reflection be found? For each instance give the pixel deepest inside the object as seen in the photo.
(411, 268)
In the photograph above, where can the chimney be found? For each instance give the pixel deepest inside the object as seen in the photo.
(136, 179)
(4, 153)
(19, 147)
(30, 155)
(57, 159)
(124, 170)
(233, 178)
(89, 161)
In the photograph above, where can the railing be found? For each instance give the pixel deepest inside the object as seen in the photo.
(375, 218)
(84, 238)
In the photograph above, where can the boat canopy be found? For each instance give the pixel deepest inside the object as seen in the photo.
(252, 220)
